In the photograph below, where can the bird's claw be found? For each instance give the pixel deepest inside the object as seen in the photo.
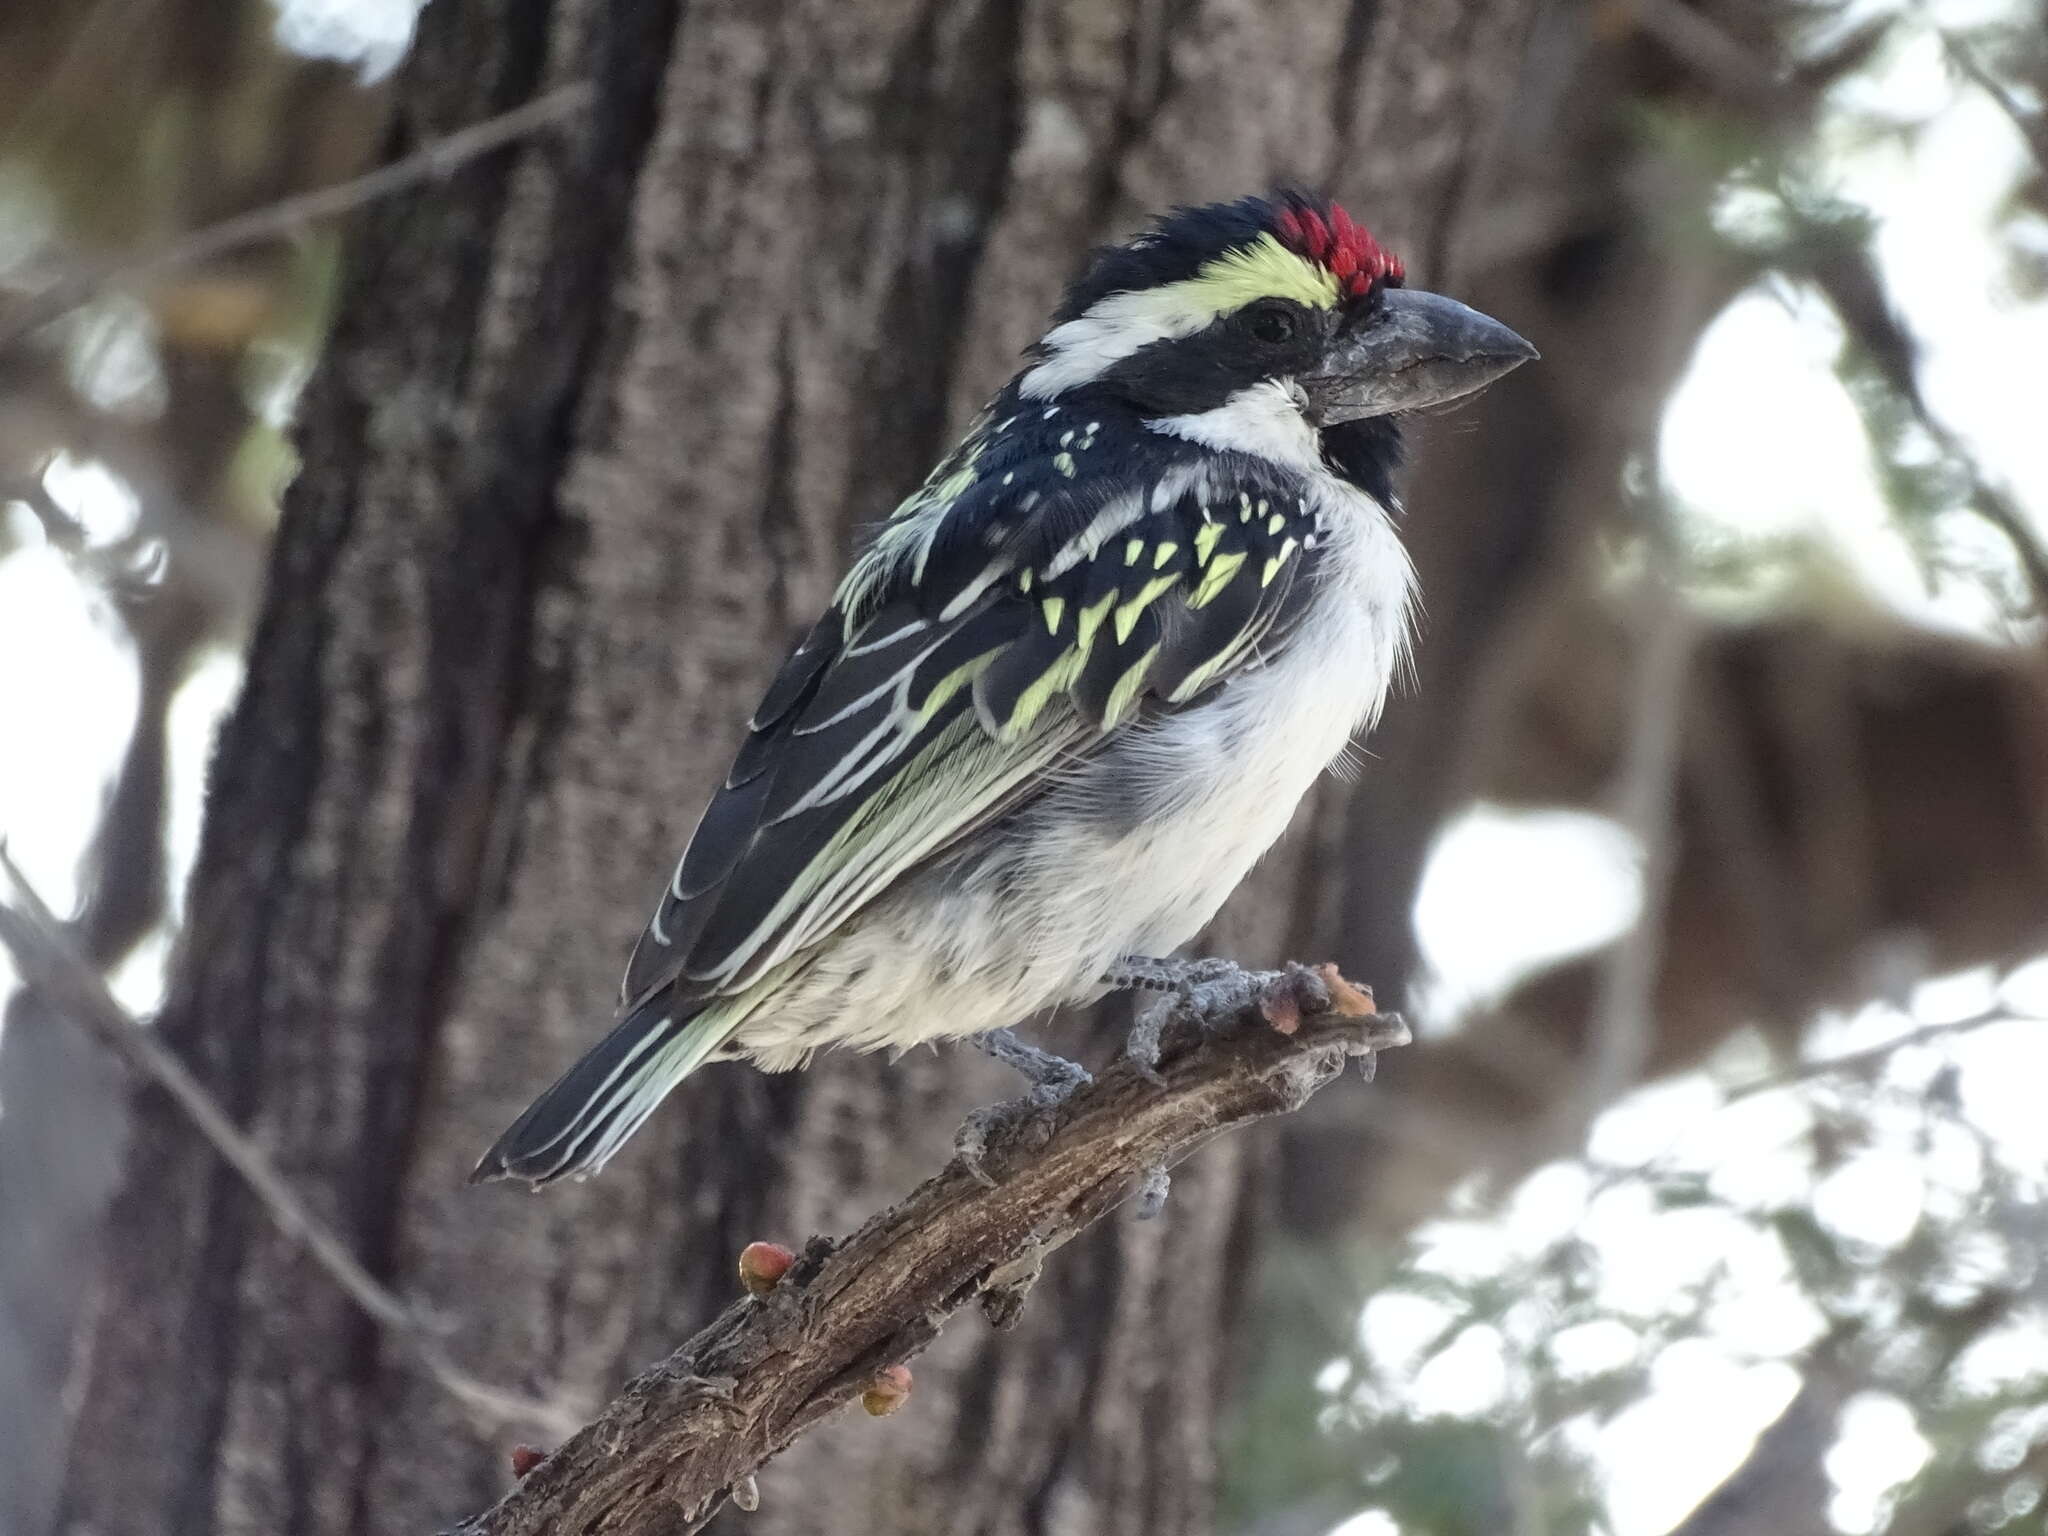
(1151, 1192)
(970, 1142)
(1049, 1074)
(1053, 1081)
(1037, 1112)
(1142, 1043)
(1184, 983)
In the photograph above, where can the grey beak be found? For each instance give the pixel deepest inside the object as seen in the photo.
(1417, 350)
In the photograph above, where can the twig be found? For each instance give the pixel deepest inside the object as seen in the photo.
(441, 158)
(1997, 506)
(1856, 1061)
(1708, 49)
(1780, 1485)
(673, 1447)
(1646, 803)
(1847, 276)
(56, 972)
(2033, 126)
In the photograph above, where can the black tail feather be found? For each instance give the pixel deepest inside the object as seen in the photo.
(574, 1126)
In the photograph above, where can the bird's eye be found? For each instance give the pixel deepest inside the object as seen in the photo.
(1273, 324)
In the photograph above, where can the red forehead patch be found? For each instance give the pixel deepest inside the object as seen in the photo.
(1348, 250)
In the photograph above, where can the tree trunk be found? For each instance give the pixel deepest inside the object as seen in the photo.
(587, 447)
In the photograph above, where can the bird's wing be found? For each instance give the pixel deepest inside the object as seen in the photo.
(1001, 625)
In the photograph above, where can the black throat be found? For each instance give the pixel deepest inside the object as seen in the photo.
(1369, 454)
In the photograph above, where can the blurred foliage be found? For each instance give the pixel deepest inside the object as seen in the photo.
(127, 124)
(142, 428)
(1946, 1315)
(1947, 1319)
(1784, 213)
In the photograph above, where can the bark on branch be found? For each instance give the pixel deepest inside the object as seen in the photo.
(683, 1436)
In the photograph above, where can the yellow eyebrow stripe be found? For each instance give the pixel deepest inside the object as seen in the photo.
(1265, 269)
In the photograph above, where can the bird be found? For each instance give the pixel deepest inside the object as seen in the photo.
(1073, 687)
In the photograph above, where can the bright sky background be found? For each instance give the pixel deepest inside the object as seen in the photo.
(1506, 891)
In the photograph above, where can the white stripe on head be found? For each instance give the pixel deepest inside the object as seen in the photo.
(1122, 323)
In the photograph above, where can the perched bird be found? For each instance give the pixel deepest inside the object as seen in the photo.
(1073, 687)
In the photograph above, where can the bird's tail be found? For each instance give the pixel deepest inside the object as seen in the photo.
(575, 1127)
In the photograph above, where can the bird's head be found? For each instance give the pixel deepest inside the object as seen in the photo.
(1281, 295)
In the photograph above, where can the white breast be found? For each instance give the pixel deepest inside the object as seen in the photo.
(1135, 854)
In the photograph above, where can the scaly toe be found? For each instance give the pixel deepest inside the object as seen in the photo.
(1151, 1195)
(970, 1142)
(1052, 1077)
(1037, 1114)
(1142, 1043)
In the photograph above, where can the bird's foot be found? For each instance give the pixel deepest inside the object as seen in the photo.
(1151, 1195)
(1195, 989)
(1049, 1074)
(1207, 993)
(1053, 1080)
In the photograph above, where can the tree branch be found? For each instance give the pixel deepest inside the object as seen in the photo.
(67, 982)
(691, 1432)
(1780, 1485)
(1847, 275)
(1646, 803)
(2032, 126)
(1708, 49)
(437, 160)
(1874, 1055)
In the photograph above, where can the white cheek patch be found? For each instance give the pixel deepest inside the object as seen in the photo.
(1263, 419)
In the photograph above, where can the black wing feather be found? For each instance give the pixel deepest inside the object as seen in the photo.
(1034, 602)
(800, 673)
